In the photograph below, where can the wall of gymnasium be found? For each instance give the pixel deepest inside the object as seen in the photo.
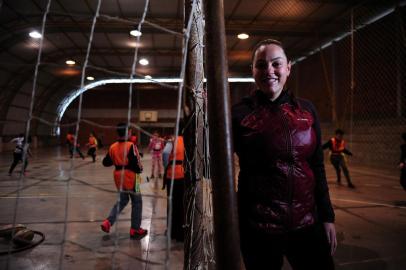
(107, 106)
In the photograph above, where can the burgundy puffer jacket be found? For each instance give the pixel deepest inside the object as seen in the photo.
(282, 183)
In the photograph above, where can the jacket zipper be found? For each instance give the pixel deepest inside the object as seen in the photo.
(290, 168)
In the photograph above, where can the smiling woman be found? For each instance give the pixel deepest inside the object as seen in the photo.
(283, 191)
(271, 68)
(284, 203)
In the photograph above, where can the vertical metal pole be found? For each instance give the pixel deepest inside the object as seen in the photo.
(352, 75)
(334, 85)
(400, 56)
(226, 232)
(193, 117)
(328, 86)
(137, 116)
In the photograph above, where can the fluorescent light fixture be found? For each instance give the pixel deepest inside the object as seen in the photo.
(35, 34)
(70, 62)
(135, 33)
(90, 78)
(75, 93)
(243, 36)
(356, 28)
(143, 61)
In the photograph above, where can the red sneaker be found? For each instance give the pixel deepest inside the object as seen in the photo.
(138, 233)
(105, 226)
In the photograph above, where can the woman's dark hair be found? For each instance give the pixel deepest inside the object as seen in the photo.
(268, 42)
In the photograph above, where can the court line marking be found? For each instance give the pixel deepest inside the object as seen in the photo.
(370, 203)
(384, 259)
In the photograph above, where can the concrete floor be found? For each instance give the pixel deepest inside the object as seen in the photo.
(371, 220)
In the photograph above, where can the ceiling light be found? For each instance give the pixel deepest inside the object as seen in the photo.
(135, 33)
(148, 77)
(133, 44)
(70, 62)
(35, 34)
(143, 61)
(243, 36)
(90, 78)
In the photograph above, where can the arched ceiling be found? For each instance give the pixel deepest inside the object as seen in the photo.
(302, 25)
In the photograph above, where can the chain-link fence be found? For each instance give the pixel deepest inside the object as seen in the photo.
(358, 84)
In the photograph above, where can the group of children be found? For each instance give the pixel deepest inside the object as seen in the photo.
(74, 147)
(126, 159)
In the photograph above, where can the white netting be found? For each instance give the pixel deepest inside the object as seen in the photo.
(203, 215)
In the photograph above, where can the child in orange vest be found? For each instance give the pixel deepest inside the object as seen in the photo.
(177, 231)
(92, 144)
(70, 141)
(126, 159)
(337, 151)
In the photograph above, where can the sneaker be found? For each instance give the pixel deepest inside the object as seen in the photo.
(350, 185)
(138, 234)
(105, 226)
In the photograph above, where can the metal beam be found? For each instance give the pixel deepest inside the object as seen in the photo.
(227, 243)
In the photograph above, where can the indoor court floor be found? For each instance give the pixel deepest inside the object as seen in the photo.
(370, 219)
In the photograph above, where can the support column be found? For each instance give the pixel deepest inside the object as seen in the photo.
(194, 139)
(227, 243)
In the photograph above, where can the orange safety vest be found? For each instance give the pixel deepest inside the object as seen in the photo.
(179, 157)
(119, 155)
(92, 142)
(337, 147)
(70, 138)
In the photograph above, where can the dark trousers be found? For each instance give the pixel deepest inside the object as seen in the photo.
(136, 208)
(77, 150)
(339, 163)
(177, 231)
(305, 249)
(92, 152)
(17, 157)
